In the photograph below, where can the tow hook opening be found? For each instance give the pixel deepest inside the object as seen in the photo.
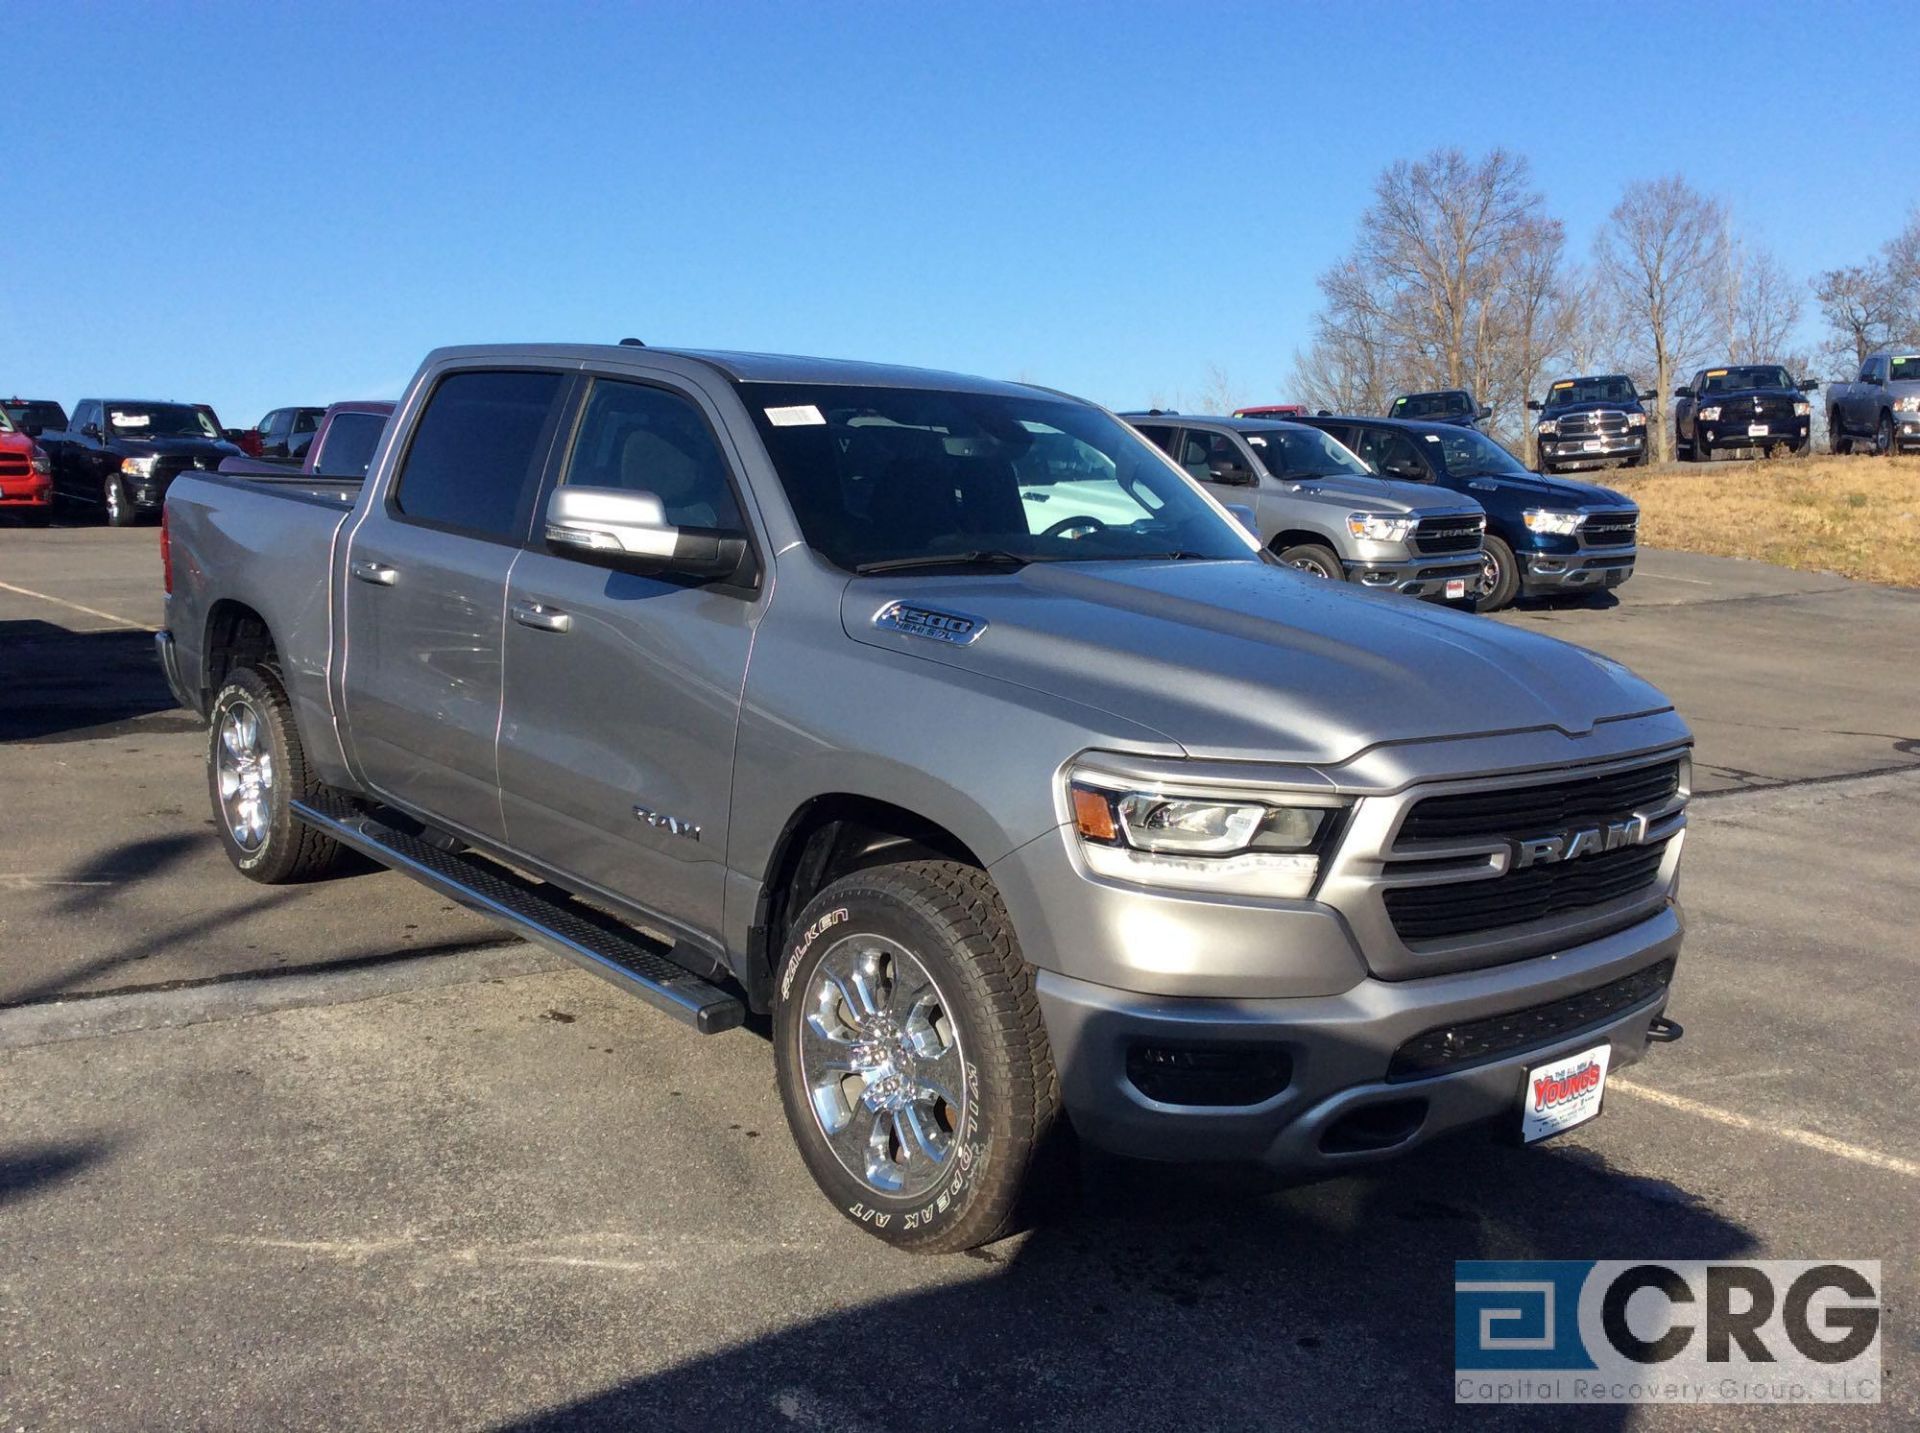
(1664, 1031)
(1374, 1127)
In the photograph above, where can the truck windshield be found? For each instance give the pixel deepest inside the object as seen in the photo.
(159, 420)
(1734, 380)
(1305, 453)
(36, 415)
(1430, 405)
(6, 423)
(1465, 453)
(897, 475)
(1905, 368)
(1591, 390)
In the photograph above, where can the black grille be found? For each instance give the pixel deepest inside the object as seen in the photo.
(1460, 907)
(15, 465)
(1541, 810)
(1606, 529)
(1447, 534)
(1474, 1042)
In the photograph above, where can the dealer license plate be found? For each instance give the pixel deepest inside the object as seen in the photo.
(1756, 430)
(1592, 445)
(1456, 587)
(1563, 1094)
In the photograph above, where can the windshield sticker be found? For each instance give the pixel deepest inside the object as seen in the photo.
(1559, 386)
(1257, 442)
(1716, 373)
(1430, 437)
(130, 420)
(803, 415)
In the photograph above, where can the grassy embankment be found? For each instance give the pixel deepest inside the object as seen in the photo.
(1859, 517)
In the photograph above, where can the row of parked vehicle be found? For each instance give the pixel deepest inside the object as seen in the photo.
(945, 726)
(117, 457)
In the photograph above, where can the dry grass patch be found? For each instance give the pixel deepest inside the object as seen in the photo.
(1859, 517)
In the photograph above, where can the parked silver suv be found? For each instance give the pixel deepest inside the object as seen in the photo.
(1320, 509)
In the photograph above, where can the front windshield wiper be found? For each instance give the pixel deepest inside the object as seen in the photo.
(983, 557)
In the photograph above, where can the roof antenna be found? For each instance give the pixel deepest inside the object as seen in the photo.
(631, 343)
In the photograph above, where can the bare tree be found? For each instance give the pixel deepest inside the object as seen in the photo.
(1662, 257)
(1872, 305)
(1218, 392)
(1453, 282)
(1763, 307)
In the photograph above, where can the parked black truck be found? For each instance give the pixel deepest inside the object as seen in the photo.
(1592, 420)
(121, 454)
(1741, 405)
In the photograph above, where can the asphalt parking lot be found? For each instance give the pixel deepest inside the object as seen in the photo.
(345, 1155)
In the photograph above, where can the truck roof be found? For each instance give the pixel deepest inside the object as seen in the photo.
(747, 367)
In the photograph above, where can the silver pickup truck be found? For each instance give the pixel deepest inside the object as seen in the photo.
(1881, 408)
(1317, 507)
(1029, 799)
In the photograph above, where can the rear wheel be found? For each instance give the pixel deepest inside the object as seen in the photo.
(1499, 576)
(1315, 559)
(255, 769)
(114, 500)
(911, 1058)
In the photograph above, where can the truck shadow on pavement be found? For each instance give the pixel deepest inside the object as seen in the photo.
(27, 1170)
(1176, 1301)
(67, 686)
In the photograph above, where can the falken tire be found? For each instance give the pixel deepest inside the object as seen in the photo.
(1500, 576)
(286, 851)
(1006, 1139)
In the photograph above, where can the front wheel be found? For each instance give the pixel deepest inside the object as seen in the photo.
(1499, 576)
(1314, 559)
(114, 499)
(1838, 443)
(1883, 442)
(911, 1058)
(255, 768)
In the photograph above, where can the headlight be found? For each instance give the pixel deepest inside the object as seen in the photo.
(1801, 410)
(137, 467)
(1548, 427)
(1228, 844)
(1909, 404)
(41, 462)
(1636, 420)
(1562, 524)
(1709, 415)
(1380, 526)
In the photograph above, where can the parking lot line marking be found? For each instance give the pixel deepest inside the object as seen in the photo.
(90, 611)
(1669, 577)
(1826, 1144)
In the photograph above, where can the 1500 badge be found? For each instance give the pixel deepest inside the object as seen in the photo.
(930, 622)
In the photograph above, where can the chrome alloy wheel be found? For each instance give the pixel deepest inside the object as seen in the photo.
(244, 765)
(1311, 566)
(881, 1059)
(116, 501)
(1489, 573)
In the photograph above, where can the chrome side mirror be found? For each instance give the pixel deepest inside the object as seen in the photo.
(617, 528)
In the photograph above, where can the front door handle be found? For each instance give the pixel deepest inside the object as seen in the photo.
(378, 573)
(538, 615)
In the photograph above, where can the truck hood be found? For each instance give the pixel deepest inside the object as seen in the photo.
(170, 447)
(1568, 409)
(1246, 661)
(1537, 487)
(1741, 395)
(1364, 492)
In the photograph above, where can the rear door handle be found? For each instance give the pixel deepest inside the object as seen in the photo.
(378, 573)
(535, 614)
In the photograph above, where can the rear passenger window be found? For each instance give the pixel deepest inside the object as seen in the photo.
(648, 440)
(1161, 438)
(476, 453)
(351, 439)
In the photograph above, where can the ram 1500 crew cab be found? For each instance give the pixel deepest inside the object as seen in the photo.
(1880, 409)
(1319, 508)
(1023, 802)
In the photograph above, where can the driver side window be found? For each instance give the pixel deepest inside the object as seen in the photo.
(1392, 454)
(648, 440)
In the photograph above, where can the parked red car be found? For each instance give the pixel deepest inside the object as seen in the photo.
(26, 478)
(1273, 410)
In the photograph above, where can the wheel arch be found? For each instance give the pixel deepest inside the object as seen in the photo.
(1295, 536)
(236, 636)
(828, 836)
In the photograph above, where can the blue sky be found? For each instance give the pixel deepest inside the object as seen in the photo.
(253, 205)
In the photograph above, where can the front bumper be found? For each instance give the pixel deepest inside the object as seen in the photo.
(1561, 451)
(1726, 435)
(1584, 570)
(31, 493)
(1424, 577)
(1338, 1107)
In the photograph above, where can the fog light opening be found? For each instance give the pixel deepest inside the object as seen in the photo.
(1213, 1075)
